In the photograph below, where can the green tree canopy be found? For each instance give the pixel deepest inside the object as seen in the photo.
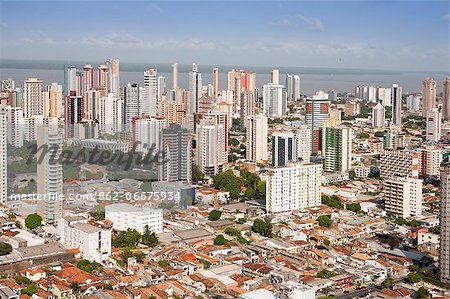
(422, 293)
(33, 221)
(5, 248)
(126, 238)
(220, 240)
(149, 238)
(214, 215)
(325, 221)
(87, 266)
(262, 227)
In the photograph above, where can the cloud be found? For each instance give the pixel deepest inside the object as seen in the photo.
(300, 20)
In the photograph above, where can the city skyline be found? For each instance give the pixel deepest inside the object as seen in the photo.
(257, 33)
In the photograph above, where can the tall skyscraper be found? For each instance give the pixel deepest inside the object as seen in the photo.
(175, 76)
(256, 138)
(378, 116)
(428, 95)
(147, 134)
(296, 88)
(195, 89)
(293, 187)
(396, 105)
(132, 103)
(248, 106)
(92, 102)
(338, 148)
(403, 196)
(177, 150)
(284, 148)
(210, 147)
(103, 78)
(216, 82)
(32, 98)
(72, 81)
(3, 153)
(111, 116)
(87, 78)
(434, 123)
(446, 98)
(74, 113)
(15, 129)
(49, 173)
(114, 78)
(275, 76)
(444, 243)
(274, 102)
(399, 163)
(289, 87)
(317, 112)
(430, 158)
(149, 105)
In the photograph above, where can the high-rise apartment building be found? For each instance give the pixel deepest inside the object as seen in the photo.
(53, 93)
(289, 87)
(403, 196)
(111, 115)
(303, 137)
(428, 95)
(399, 163)
(132, 103)
(147, 134)
(434, 123)
(293, 187)
(176, 145)
(444, 221)
(338, 148)
(296, 88)
(430, 158)
(175, 76)
(396, 105)
(274, 102)
(248, 106)
(150, 98)
(16, 126)
(317, 112)
(87, 79)
(74, 112)
(3, 153)
(394, 140)
(275, 76)
(216, 82)
(256, 138)
(284, 148)
(446, 98)
(114, 78)
(378, 116)
(32, 97)
(49, 173)
(195, 89)
(176, 113)
(211, 146)
(103, 78)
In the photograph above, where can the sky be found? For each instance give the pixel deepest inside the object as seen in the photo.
(386, 35)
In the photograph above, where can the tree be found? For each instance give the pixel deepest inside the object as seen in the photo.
(228, 181)
(261, 188)
(414, 268)
(87, 266)
(98, 214)
(5, 248)
(414, 277)
(232, 158)
(400, 221)
(435, 229)
(233, 142)
(163, 263)
(126, 238)
(363, 135)
(379, 134)
(220, 240)
(232, 231)
(214, 215)
(249, 193)
(332, 201)
(197, 175)
(75, 286)
(325, 221)
(326, 274)
(422, 293)
(262, 227)
(33, 221)
(326, 242)
(29, 290)
(149, 238)
(355, 207)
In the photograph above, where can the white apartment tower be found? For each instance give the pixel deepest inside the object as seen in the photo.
(403, 196)
(149, 105)
(111, 116)
(3, 153)
(428, 96)
(195, 89)
(256, 137)
(396, 105)
(444, 245)
(32, 97)
(49, 173)
(434, 123)
(378, 116)
(274, 102)
(296, 186)
(211, 146)
(338, 148)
